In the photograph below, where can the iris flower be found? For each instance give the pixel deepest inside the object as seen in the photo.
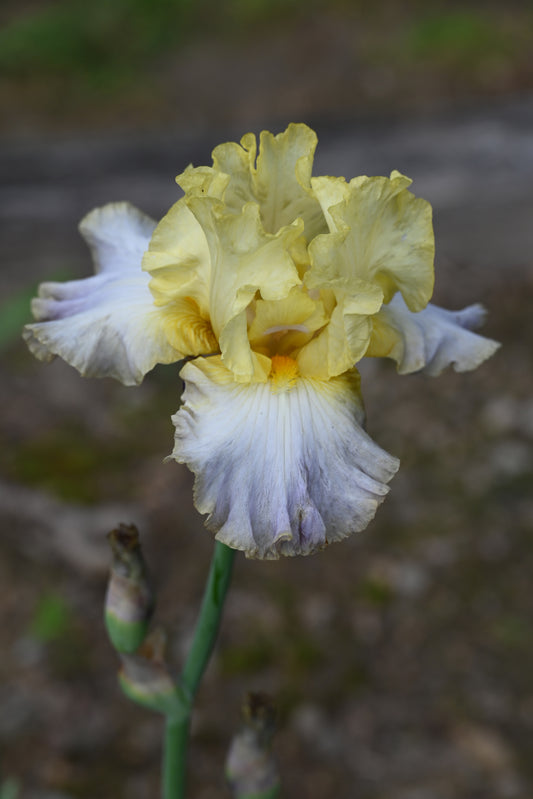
(267, 286)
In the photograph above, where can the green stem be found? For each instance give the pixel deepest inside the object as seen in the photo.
(209, 618)
(205, 634)
(174, 756)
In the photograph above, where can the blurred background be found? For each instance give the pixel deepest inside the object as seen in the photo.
(400, 660)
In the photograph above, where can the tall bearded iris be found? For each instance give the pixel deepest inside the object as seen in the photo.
(273, 285)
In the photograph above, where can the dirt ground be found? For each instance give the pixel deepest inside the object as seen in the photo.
(400, 660)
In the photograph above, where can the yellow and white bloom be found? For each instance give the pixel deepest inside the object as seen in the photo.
(273, 285)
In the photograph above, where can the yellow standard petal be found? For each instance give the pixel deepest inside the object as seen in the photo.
(341, 344)
(179, 264)
(178, 259)
(385, 236)
(277, 176)
(351, 303)
(245, 262)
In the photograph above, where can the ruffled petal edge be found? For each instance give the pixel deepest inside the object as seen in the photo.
(432, 339)
(105, 325)
(279, 472)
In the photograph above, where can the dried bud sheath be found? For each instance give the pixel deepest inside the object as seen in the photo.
(130, 599)
(251, 770)
(146, 678)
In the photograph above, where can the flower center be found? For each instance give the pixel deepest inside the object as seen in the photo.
(283, 372)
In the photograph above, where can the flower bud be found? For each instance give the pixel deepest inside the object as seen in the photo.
(130, 600)
(146, 679)
(250, 766)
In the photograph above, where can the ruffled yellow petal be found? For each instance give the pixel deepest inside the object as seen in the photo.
(237, 161)
(384, 235)
(338, 347)
(204, 181)
(178, 259)
(186, 329)
(245, 261)
(283, 179)
(349, 304)
(278, 179)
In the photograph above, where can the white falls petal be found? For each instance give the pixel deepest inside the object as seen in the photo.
(105, 325)
(118, 235)
(279, 472)
(432, 339)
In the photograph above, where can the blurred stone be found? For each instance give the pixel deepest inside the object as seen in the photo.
(315, 727)
(506, 414)
(58, 530)
(500, 414)
(507, 459)
(438, 552)
(138, 786)
(484, 745)
(244, 605)
(511, 458)
(44, 794)
(317, 611)
(16, 712)
(494, 544)
(308, 719)
(144, 738)
(526, 418)
(407, 577)
(28, 651)
(367, 624)
(510, 786)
